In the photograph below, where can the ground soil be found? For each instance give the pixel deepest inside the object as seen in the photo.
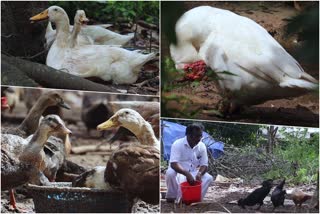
(224, 197)
(299, 111)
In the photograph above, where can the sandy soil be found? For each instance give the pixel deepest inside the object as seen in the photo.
(223, 198)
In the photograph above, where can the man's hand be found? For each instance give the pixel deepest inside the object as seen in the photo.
(179, 169)
(198, 176)
(190, 178)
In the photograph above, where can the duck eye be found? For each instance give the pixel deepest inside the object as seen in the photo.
(50, 119)
(55, 9)
(126, 112)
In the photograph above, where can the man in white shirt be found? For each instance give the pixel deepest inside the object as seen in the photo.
(188, 162)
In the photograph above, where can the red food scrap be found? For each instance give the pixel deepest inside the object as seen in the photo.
(195, 70)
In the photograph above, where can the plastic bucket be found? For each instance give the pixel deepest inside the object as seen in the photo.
(191, 194)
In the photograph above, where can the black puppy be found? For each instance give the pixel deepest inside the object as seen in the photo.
(257, 196)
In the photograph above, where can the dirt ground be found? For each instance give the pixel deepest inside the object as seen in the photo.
(298, 111)
(223, 198)
(200, 99)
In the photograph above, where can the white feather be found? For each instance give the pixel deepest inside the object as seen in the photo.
(106, 62)
(262, 69)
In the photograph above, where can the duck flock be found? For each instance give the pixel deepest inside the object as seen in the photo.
(35, 152)
(90, 51)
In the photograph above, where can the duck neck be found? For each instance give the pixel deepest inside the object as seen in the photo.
(63, 31)
(74, 34)
(145, 134)
(33, 152)
(31, 122)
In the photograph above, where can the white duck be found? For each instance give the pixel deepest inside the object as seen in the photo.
(50, 37)
(76, 39)
(106, 62)
(79, 19)
(92, 34)
(225, 41)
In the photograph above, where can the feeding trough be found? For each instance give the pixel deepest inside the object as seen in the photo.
(62, 198)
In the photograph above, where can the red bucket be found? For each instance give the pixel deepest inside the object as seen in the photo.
(191, 194)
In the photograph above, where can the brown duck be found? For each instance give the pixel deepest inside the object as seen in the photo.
(134, 167)
(30, 124)
(22, 160)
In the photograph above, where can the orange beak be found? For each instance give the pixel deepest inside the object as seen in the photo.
(41, 16)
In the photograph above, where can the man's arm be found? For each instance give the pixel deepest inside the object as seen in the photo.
(179, 169)
(203, 162)
(201, 172)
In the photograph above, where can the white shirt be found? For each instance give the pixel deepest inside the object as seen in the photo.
(189, 158)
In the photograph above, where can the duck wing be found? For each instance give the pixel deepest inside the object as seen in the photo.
(241, 46)
(13, 172)
(135, 169)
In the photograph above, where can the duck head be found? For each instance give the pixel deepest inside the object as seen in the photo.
(125, 117)
(54, 124)
(80, 17)
(53, 98)
(55, 14)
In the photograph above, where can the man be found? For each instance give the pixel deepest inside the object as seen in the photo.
(187, 154)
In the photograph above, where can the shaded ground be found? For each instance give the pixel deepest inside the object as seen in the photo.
(298, 111)
(194, 100)
(223, 198)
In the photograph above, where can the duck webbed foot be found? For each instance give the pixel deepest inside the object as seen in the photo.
(12, 206)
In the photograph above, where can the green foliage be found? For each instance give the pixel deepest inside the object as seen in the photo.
(164, 164)
(168, 75)
(114, 12)
(306, 25)
(229, 133)
(235, 134)
(301, 155)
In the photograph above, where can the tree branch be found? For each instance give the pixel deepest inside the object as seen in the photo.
(39, 74)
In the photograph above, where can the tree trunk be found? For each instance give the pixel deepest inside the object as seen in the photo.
(272, 132)
(315, 198)
(18, 36)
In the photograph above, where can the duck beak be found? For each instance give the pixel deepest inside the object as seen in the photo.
(41, 16)
(66, 130)
(64, 105)
(108, 124)
(84, 20)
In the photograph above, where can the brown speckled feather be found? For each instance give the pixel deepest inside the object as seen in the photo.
(134, 168)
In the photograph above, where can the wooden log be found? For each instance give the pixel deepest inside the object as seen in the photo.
(46, 76)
